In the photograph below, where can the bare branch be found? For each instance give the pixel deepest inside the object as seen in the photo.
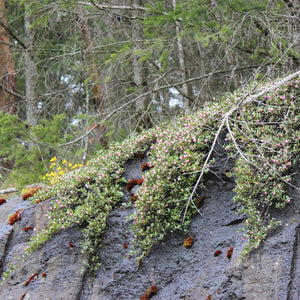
(8, 191)
(148, 93)
(107, 6)
(12, 34)
(245, 100)
(12, 92)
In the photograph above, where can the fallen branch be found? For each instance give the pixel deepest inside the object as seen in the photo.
(244, 100)
(8, 191)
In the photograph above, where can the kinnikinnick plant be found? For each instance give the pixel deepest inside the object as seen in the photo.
(262, 135)
(265, 135)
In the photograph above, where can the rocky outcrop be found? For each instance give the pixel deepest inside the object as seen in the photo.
(54, 271)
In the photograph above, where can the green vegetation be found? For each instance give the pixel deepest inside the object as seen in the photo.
(31, 148)
(268, 138)
(263, 136)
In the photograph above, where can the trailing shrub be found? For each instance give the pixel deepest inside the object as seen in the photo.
(268, 138)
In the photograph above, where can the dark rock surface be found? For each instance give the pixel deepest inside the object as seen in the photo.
(270, 272)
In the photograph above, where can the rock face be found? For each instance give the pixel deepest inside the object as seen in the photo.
(270, 272)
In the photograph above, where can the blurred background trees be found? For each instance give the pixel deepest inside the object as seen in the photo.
(77, 75)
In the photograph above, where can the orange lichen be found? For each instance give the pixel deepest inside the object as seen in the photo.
(27, 228)
(2, 201)
(22, 297)
(217, 252)
(141, 155)
(230, 252)
(132, 182)
(125, 245)
(188, 242)
(140, 263)
(29, 192)
(145, 167)
(133, 198)
(32, 277)
(71, 245)
(199, 201)
(15, 217)
(150, 292)
(92, 126)
(44, 274)
(208, 297)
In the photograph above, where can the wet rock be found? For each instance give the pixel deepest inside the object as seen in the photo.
(270, 272)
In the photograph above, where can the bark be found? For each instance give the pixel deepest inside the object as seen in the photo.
(8, 102)
(31, 76)
(182, 66)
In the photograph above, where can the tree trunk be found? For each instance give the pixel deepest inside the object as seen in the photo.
(31, 76)
(8, 102)
(294, 26)
(182, 66)
(86, 36)
(139, 67)
(92, 70)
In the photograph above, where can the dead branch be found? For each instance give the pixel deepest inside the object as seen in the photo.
(150, 92)
(12, 92)
(12, 34)
(244, 100)
(8, 191)
(107, 6)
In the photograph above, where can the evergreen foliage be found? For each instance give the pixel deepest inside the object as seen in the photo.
(31, 148)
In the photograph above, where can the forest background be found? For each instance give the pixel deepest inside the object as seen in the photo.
(77, 75)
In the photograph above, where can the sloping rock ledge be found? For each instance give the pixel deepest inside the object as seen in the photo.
(270, 272)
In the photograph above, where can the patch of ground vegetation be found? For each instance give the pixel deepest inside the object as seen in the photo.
(262, 127)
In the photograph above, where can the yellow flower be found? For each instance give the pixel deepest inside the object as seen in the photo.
(69, 165)
(64, 162)
(53, 158)
(52, 165)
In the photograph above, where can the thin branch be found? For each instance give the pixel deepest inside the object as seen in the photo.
(106, 6)
(12, 34)
(203, 168)
(12, 92)
(148, 93)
